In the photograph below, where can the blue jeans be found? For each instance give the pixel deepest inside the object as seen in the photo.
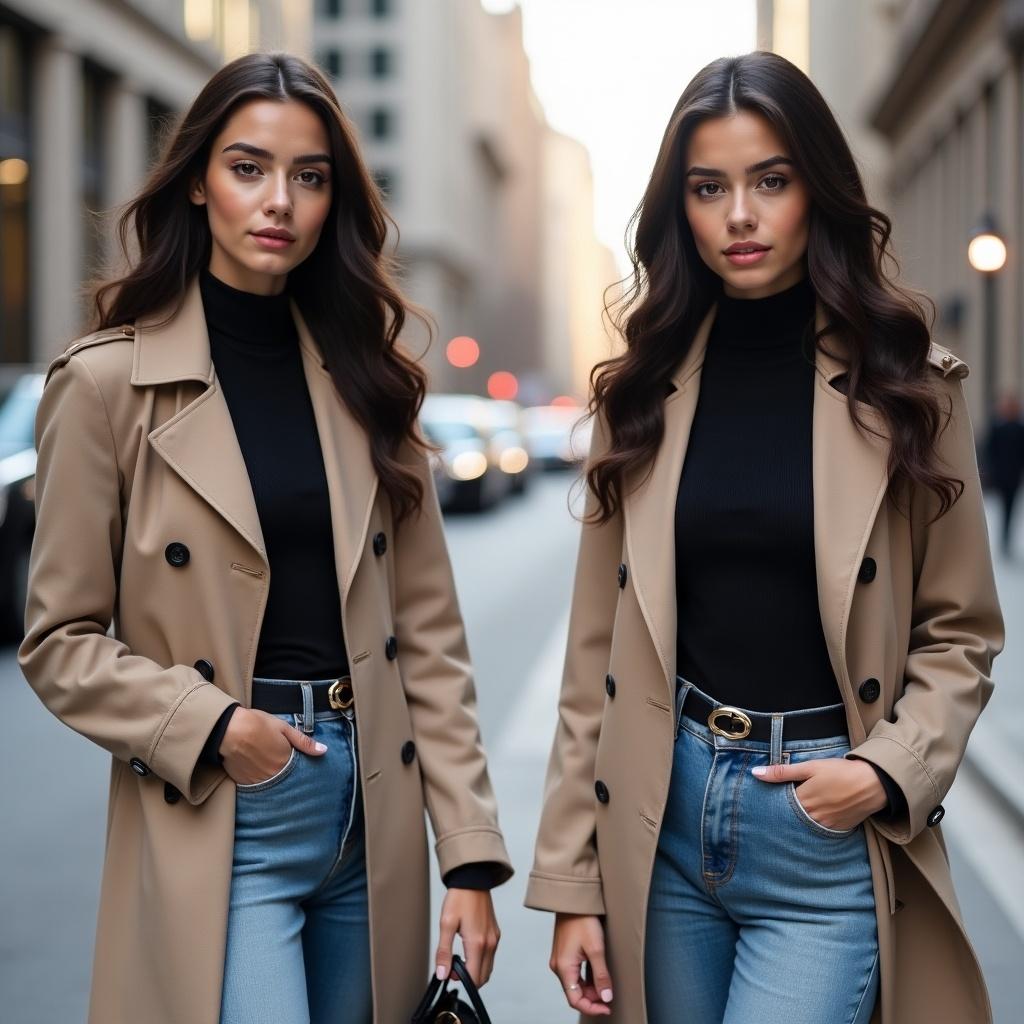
(298, 948)
(756, 911)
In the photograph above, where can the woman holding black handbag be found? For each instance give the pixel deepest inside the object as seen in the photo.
(231, 476)
(784, 616)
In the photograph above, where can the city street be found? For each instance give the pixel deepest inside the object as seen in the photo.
(513, 568)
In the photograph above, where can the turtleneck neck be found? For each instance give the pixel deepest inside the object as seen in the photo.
(259, 324)
(767, 322)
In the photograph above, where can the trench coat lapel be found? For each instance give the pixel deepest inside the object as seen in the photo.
(199, 443)
(849, 479)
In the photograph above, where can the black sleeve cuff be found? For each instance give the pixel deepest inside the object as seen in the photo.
(897, 805)
(482, 875)
(209, 754)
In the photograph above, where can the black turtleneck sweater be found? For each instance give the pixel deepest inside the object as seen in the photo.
(254, 345)
(745, 516)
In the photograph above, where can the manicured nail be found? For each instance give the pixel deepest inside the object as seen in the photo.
(320, 748)
(442, 972)
(606, 994)
(759, 770)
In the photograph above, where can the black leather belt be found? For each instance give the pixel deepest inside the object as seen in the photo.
(734, 723)
(286, 698)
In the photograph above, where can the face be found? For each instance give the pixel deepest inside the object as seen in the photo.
(741, 187)
(267, 192)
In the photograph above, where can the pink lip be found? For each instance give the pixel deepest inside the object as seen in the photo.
(272, 239)
(746, 259)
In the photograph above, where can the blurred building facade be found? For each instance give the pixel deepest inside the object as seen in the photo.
(931, 95)
(86, 87)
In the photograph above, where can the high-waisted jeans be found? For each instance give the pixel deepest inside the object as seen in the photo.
(757, 912)
(298, 948)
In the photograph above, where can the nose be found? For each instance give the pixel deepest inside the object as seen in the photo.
(741, 215)
(279, 198)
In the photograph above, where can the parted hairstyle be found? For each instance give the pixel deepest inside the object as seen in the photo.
(344, 288)
(848, 258)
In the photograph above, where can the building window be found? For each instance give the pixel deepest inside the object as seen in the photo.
(382, 124)
(94, 128)
(380, 8)
(386, 183)
(332, 62)
(380, 62)
(15, 167)
(329, 8)
(159, 124)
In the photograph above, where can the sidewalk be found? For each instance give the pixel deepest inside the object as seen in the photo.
(995, 751)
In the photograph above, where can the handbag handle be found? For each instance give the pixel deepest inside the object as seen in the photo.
(461, 971)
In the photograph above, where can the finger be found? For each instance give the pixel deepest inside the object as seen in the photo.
(576, 991)
(303, 742)
(443, 956)
(784, 772)
(490, 948)
(600, 978)
(473, 948)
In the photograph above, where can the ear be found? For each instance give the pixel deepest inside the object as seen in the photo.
(197, 192)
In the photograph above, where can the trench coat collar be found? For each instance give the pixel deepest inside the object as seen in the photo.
(849, 475)
(199, 442)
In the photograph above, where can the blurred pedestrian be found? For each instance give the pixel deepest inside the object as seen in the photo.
(784, 614)
(1004, 461)
(231, 475)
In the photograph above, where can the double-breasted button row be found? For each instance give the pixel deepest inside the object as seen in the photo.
(623, 576)
(205, 669)
(391, 648)
(870, 690)
(177, 554)
(868, 570)
(380, 544)
(601, 791)
(408, 752)
(609, 684)
(139, 767)
(936, 816)
(171, 793)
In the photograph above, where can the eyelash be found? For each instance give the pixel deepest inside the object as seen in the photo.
(237, 168)
(767, 177)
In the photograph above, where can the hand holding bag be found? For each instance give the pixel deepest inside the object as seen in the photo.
(445, 1007)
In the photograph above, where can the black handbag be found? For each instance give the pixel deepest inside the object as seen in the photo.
(441, 1005)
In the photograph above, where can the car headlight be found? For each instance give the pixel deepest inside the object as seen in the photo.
(513, 460)
(468, 465)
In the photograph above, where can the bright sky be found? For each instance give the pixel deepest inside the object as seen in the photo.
(609, 72)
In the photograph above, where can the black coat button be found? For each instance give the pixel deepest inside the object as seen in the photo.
(623, 576)
(408, 751)
(602, 791)
(868, 569)
(609, 684)
(391, 648)
(870, 690)
(205, 669)
(380, 543)
(139, 767)
(171, 793)
(177, 554)
(936, 816)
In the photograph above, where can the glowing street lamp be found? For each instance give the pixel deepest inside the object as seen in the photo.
(462, 352)
(986, 252)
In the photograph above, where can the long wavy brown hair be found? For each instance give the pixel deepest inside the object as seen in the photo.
(345, 287)
(848, 262)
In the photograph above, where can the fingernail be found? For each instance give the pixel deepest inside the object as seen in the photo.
(320, 748)
(759, 770)
(442, 972)
(606, 994)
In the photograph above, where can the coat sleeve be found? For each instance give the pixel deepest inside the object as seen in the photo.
(441, 696)
(956, 632)
(156, 717)
(566, 875)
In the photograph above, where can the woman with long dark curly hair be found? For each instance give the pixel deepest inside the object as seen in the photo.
(231, 477)
(784, 616)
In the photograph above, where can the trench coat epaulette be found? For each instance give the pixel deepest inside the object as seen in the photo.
(126, 332)
(946, 362)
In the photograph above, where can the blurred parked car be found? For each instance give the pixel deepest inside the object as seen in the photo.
(508, 443)
(17, 508)
(458, 424)
(557, 436)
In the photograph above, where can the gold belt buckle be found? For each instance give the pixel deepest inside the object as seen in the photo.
(734, 715)
(335, 694)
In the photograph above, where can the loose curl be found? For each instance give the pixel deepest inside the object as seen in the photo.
(671, 288)
(345, 287)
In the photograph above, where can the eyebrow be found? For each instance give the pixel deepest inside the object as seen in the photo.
(265, 154)
(714, 172)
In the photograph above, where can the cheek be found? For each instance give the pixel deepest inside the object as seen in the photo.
(792, 218)
(229, 202)
(700, 224)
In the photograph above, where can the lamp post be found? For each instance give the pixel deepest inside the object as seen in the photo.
(986, 252)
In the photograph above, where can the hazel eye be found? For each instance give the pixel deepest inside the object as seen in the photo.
(316, 178)
(706, 184)
(246, 168)
(775, 177)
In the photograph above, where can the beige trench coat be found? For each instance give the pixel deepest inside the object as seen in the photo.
(927, 627)
(137, 451)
